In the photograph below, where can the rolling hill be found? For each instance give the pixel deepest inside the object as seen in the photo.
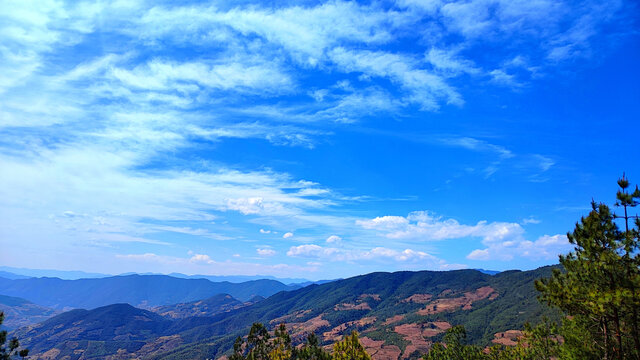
(398, 314)
(20, 312)
(94, 334)
(143, 291)
(208, 307)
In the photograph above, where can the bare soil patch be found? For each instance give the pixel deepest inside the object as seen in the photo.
(463, 302)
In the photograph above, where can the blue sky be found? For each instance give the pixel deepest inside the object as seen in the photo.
(310, 139)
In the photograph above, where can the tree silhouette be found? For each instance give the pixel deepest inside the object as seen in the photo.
(11, 349)
(599, 287)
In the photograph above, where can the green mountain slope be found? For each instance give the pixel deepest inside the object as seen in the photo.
(384, 306)
(93, 334)
(398, 314)
(208, 307)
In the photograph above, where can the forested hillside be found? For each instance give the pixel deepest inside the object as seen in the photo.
(397, 314)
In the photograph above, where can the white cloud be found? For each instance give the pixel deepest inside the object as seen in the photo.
(203, 264)
(530, 220)
(123, 118)
(477, 145)
(422, 87)
(87, 178)
(501, 77)
(266, 252)
(450, 62)
(246, 205)
(545, 163)
(544, 248)
(287, 235)
(334, 239)
(140, 257)
(263, 231)
(336, 254)
(504, 241)
(201, 258)
(383, 254)
(249, 75)
(303, 31)
(422, 225)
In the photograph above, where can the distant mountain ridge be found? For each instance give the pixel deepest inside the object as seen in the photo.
(139, 290)
(9, 272)
(399, 315)
(14, 273)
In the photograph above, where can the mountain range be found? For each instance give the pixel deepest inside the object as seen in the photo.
(143, 291)
(9, 272)
(398, 314)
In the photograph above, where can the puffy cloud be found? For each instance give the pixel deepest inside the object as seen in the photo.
(287, 235)
(311, 250)
(379, 254)
(544, 248)
(246, 205)
(504, 241)
(423, 225)
(334, 239)
(201, 258)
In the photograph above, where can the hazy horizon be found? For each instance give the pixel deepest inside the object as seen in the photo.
(313, 140)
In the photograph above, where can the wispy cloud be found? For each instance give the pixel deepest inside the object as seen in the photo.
(115, 115)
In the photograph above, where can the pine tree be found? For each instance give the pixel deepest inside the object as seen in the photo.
(350, 348)
(630, 261)
(455, 347)
(12, 349)
(311, 350)
(281, 344)
(599, 287)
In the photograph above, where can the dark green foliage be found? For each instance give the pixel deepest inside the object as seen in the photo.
(261, 346)
(599, 288)
(349, 349)
(311, 350)
(456, 347)
(12, 349)
(538, 343)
